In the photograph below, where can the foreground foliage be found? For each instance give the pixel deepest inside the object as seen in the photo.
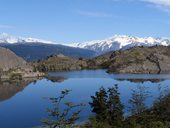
(108, 109)
(158, 116)
(65, 118)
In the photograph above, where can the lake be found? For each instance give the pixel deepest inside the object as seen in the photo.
(22, 104)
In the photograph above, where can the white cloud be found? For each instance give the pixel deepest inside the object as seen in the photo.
(94, 14)
(161, 4)
(6, 26)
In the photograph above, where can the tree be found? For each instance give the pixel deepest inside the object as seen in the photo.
(62, 118)
(107, 107)
(99, 104)
(41, 67)
(115, 107)
(138, 108)
(161, 109)
(137, 101)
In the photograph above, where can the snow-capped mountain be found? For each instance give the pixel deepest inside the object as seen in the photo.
(6, 38)
(32, 49)
(121, 42)
(116, 42)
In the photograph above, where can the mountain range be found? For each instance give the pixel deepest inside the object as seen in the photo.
(118, 42)
(32, 49)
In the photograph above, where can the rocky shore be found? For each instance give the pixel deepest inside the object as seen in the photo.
(16, 74)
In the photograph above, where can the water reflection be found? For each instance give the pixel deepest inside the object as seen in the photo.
(142, 80)
(136, 78)
(58, 79)
(22, 104)
(9, 88)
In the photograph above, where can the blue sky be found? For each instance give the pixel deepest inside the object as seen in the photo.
(66, 21)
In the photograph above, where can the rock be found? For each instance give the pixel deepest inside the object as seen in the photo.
(14, 67)
(141, 60)
(60, 63)
(138, 60)
(9, 60)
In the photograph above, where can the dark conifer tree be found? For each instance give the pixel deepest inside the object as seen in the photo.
(115, 108)
(138, 99)
(107, 107)
(99, 104)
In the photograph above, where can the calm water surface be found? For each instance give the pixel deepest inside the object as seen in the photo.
(22, 105)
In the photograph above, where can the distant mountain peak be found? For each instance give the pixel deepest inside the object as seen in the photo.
(118, 42)
(6, 38)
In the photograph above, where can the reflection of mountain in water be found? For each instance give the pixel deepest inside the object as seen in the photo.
(142, 80)
(9, 89)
